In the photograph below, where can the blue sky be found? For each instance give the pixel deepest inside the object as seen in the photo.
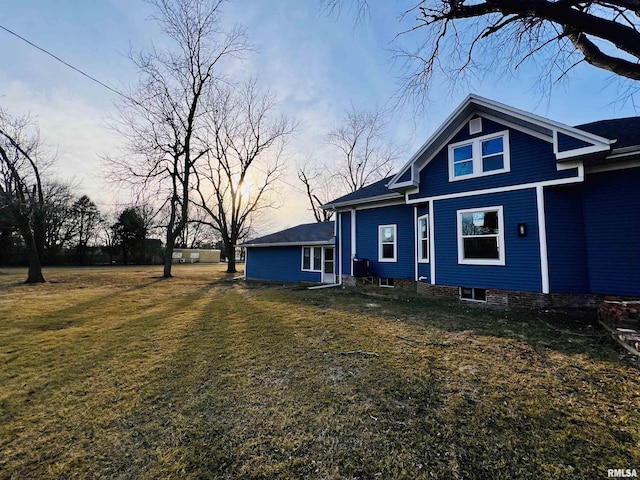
(317, 65)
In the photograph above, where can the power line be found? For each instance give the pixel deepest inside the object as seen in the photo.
(105, 85)
(63, 62)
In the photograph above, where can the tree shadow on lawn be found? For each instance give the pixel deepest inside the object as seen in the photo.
(568, 332)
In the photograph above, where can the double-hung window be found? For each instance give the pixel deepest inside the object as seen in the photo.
(312, 259)
(486, 155)
(481, 236)
(423, 239)
(387, 243)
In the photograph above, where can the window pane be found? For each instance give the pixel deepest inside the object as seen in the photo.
(481, 248)
(317, 259)
(463, 168)
(306, 258)
(425, 249)
(462, 153)
(423, 228)
(493, 146)
(496, 162)
(387, 250)
(387, 235)
(328, 254)
(466, 292)
(480, 223)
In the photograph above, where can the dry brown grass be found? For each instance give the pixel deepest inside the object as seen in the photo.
(116, 373)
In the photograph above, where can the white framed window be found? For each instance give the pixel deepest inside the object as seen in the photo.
(423, 239)
(387, 243)
(386, 282)
(311, 259)
(486, 155)
(481, 236)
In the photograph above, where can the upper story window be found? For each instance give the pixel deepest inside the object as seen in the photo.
(486, 155)
(387, 243)
(423, 239)
(481, 236)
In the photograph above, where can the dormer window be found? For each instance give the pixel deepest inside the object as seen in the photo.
(486, 155)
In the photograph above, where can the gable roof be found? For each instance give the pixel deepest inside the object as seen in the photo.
(306, 234)
(376, 191)
(501, 113)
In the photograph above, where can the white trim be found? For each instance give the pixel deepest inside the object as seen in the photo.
(408, 183)
(419, 239)
(432, 244)
(353, 238)
(395, 243)
(520, 128)
(500, 261)
(288, 244)
(542, 238)
(560, 166)
(488, 191)
(388, 203)
(576, 152)
(415, 244)
(311, 259)
(377, 198)
(339, 246)
(476, 156)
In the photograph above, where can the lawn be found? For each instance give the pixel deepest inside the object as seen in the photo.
(117, 373)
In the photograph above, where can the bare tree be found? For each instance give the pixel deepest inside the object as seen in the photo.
(321, 186)
(22, 160)
(59, 220)
(365, 155)
(245, 142)
(459, 37)
(161, 117)
(87, 220)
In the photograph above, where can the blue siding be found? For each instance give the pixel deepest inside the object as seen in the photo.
(367, 222)
(345, 242)
(612, 226)
(532, 160)
(522, 254)
(566, 248)
(565, 143)
(406, 176)
(283, 264)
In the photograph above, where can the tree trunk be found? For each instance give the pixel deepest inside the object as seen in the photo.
(231, 257)
(35, 265)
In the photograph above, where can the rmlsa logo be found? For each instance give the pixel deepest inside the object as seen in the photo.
(622, 473)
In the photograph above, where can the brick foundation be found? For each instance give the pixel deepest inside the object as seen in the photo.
(516, 299)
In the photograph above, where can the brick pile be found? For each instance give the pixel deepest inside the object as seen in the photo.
(622, 317)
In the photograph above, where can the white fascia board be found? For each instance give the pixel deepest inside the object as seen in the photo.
(379, 198)
(290, 244)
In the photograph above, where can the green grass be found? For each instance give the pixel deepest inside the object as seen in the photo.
(116, 373)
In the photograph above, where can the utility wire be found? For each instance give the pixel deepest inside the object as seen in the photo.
(65, 63)
(104, 84)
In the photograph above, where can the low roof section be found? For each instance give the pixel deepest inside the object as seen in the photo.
(376, 191)
(307, 234)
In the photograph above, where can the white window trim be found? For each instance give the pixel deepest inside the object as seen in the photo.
(501, 246)
(395, 243)
(311, 253)
(476, 152)
(419, 239)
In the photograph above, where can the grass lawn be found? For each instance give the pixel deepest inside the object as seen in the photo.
(116, 373)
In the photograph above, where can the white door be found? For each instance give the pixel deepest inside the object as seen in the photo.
(328, 265)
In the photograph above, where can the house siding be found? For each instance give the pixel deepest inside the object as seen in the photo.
(612, 230)
(566, 143)
(282, 264)
(367, 223)
(522, 269)
(345, 242)
(532, 160)
(567, 253)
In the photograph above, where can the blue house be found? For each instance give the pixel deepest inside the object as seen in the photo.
(305, 253)
(503, 206)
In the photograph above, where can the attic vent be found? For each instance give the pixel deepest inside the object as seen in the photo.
(475, 126)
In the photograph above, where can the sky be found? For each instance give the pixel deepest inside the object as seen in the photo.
(318, 66)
